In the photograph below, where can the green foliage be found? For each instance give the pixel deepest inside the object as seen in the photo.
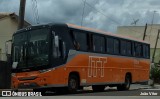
(155, 73)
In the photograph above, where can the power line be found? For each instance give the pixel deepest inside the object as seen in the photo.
(100, 12)
(83, 12)
(35, 11)
(37, 14)
(113, 21)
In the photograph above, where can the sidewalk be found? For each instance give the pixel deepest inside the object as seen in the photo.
(156, 86)
(132, 87)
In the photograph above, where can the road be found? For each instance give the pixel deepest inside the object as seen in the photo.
(112, 93)
(135, 90)
(84, 97)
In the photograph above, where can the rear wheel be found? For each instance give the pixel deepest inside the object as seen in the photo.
(73, 84)
(98, 88)
(126, 85)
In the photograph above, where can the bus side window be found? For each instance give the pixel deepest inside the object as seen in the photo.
(116, 46)
(123, 47)
(129, 48)
(144, 51)
(147, 51)
(110, 46)
(81, 40)
(138, 48)
(133, 49)
(98, 43)
(75, 43)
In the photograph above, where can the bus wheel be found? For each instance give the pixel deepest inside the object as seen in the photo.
(126, 85)
(98, 88)
(73, 84)
(43, 91)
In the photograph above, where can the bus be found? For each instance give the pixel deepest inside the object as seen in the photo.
(61, 55)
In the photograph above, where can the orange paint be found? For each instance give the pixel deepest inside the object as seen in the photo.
(109, 69)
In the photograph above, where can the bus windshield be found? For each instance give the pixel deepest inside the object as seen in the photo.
(30, 49)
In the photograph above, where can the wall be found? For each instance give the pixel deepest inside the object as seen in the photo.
(7, 27)
(138, 32)
(157, 55)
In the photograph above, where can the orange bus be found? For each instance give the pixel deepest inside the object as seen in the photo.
(67, 56)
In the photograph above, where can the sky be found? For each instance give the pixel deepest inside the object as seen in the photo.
(105, 15)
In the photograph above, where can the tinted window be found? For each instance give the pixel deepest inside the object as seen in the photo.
(38, 48)
(133, 49)
(31, 48)
(138, 50)
(98, 43)
(81, 39)
(116, 46)
(20, 48)
(110, 47)
(146, 51)
(123, 47)
(129, 48)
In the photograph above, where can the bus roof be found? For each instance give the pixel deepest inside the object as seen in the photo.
(103, 32)
(82, 28)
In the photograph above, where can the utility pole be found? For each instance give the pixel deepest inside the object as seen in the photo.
(155, 46)
(21, 14)
(145, 32)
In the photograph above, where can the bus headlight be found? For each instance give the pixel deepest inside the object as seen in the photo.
(45, 70)
(13, 74)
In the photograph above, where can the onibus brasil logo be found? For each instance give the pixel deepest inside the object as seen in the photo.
(14, 93)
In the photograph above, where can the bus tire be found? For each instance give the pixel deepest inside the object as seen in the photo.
(73, 84)
(126, 85)
(98, 88)
(43, 91)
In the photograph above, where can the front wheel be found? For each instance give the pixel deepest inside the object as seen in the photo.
(126, 85)
(73, 84)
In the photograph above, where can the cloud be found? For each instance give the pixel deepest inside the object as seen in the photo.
(110, 14)
(9, 5)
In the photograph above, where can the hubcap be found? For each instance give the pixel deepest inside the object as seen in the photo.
(127, 83)
(73, 83)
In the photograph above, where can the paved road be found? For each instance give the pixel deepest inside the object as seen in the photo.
(84, 97)
(111, 93)
(135, 90)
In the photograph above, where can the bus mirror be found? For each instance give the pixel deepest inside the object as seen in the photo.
(8, 45)
(56, 41)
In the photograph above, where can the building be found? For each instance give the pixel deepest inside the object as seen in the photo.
(8, 25)
(138, 32)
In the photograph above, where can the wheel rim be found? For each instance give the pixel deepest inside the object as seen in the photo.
(127, 83)
(73, 84)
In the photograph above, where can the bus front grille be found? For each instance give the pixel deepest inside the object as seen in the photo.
(28, 85)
